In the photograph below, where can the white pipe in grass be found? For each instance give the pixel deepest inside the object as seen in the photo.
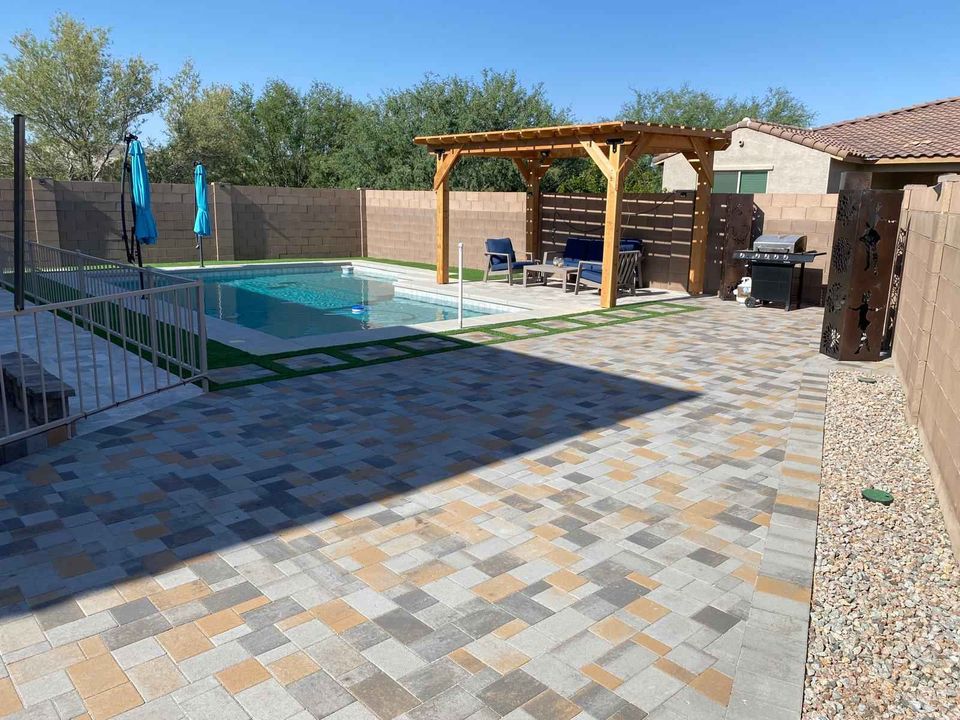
(460, 285)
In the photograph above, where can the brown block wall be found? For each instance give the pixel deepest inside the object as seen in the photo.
(294, 222)
(40, 211)
(88, 219)
(926, 346)
(399, 224)
(803, 214)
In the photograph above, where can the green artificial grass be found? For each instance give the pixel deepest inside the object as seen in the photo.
(231, 357)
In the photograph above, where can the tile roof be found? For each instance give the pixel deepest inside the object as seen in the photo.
(929, 130)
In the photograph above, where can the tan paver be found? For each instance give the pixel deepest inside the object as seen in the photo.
(184, 642)
(439, 535)
(242, 675)
(96, 675)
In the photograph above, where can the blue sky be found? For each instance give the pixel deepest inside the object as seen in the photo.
(843, 59)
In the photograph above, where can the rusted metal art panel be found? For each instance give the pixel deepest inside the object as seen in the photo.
(861, 269)
(735, 221)
(890, 322)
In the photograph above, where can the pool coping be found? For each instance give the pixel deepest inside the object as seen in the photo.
(413, 280)
(258, 342)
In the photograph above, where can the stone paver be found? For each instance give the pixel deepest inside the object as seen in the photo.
(238, 373)
(448, 536)
(315, 361)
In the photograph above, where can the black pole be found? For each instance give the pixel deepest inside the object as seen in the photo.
(123, 185)
(19, 189)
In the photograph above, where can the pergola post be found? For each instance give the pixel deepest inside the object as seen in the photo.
(702, 162)
(611, 228)
(532, 172)
(445, 162)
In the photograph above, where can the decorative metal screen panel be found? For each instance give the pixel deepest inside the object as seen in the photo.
(734, 223)
(861, 267)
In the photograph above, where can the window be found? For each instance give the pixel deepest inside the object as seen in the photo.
(740, 181)
(753, 181)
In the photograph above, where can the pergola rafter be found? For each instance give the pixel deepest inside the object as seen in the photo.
(612, 146)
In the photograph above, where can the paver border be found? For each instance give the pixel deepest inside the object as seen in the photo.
(771, 669)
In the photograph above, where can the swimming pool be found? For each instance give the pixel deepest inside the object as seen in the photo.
(297, 302)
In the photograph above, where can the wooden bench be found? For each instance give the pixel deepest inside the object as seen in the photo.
(48, 397)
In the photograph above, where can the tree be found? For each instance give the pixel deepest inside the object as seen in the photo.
(697, 108)
(292, 139)
(79, 101)
(381, 152)
(200, 127)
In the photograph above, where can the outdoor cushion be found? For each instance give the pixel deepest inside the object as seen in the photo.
(502, 264)
(583, 249)
(591, 275)
(501, 245)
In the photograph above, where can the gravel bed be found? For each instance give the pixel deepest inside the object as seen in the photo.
(885, 620)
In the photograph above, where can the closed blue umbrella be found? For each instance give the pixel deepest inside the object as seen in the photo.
(201, 226)
(144, 226)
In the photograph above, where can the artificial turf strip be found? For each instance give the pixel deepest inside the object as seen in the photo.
(341, 352)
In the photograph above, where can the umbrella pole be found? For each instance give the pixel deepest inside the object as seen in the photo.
(200, 248)
(123, 211)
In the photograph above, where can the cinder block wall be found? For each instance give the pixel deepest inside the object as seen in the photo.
(273, 222)
(804, 214)
(399, 224)
(926, 347)
(40, 211)
(88, 220)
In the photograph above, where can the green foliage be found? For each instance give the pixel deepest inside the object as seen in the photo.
(381, 153)
(79, 100)
(698, 108)
(292, 139)
(200, 128)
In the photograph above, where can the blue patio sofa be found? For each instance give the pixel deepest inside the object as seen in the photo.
(589, 251)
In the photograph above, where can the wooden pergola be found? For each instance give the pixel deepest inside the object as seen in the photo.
(613, 146)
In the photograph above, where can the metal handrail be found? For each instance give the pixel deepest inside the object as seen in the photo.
(113, 332)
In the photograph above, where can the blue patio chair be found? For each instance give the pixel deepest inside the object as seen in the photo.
(628, 264)
(501, 257)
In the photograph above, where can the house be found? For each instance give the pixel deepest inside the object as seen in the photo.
(912, 145)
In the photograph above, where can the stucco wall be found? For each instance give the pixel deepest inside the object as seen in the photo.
(926, 347)
(792, 168)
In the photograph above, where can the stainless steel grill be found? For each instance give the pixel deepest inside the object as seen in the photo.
(780, 243)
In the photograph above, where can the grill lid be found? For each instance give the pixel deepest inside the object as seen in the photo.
(780, 243)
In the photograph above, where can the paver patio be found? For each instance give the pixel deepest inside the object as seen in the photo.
(610, 523)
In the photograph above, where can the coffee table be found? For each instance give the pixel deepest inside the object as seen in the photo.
(566, 273)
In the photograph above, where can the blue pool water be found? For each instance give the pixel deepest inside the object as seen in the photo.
(295, 302)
